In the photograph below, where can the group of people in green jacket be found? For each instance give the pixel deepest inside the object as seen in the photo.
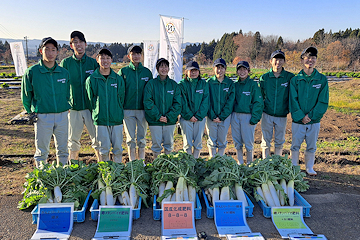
(86, 91)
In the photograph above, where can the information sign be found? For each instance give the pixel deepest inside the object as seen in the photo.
(289, 220)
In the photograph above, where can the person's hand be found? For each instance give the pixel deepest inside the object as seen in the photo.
(306, 119)
(193, 119)
(163, 119)
(217, 120)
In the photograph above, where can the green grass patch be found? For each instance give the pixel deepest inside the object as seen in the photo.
(350, 144)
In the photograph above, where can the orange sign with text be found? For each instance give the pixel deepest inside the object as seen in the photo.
(178, 216)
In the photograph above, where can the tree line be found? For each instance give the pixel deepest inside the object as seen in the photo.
(337, 51)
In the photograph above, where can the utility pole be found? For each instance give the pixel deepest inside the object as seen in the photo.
(27, 52)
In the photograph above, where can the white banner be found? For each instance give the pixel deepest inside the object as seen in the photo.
(151, 55)
(171, 39)
(18, 55)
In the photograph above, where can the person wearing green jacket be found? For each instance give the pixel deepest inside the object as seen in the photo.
(248, 107)
(45, 91)
(221, 103)
(162, 103)
(309, 100)
(195, 105)
(274, 87)
(80, 67)
(136, 76)
(106, 91)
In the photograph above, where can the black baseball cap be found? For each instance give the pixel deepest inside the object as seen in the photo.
(78, 34)
(46, 40)
(312, 50)
(277, 54)
(105, 51)
(192, 65)
(219, 61)
(244, 64)
(135, 49)
(160, 60)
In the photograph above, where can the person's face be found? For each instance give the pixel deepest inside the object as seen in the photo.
(78, 46)
(104, 61)
(163, 69)
(193, 73)
(309, 62)
(243, 72)
(277, 63)
(134, 57)
(49, 52)
(219, 71)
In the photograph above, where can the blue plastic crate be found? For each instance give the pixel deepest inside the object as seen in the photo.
(157, 211)
(210, 210)
(299, 201)
(95, 210)
(78, 216)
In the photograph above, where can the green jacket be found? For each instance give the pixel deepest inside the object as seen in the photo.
(106, 98)
(44, 90)
(222, 97)
(135, 81)
(195, 98)
(80, 70)
(162, 98)
(248, 99)
(275, 92)
(308, 95)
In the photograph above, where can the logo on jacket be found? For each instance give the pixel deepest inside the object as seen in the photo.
(246, 93)
(145, 79)
(201, 91)
(226, 89)
(63, 80)
(317, 86)
(89, 71)
(113, 85)
(284, 84)
(171, 92)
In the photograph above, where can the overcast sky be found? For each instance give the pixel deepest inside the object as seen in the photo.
(137, 20)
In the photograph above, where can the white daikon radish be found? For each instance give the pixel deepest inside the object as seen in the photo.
(282, 197)
(240, 195)
(225, 193)
(274, 194)
(186, 193)
(215, 195)
(260, 192)
(57, 194)
(290, 192)
(180, 189)
(133, 195)
(173, 198)
(102, 194)
(121, 200)
(109, 197)
(161, 188)
(267, 195)
(126, 198)
(169, 185)
(192, 194)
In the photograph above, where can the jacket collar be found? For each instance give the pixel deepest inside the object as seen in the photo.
(132, 66)
(79, 60)
(282, 74)
(43, 68)
(314, 76)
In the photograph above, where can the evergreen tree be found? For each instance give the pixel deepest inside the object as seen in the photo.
(256, 46)
(280, 43)
(318, 36)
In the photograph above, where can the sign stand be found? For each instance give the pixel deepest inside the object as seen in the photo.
(245, 236)
(178, 221)
(289, 220)
(115, 222)
(230, 217)
(55, 221)
(306, 236)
